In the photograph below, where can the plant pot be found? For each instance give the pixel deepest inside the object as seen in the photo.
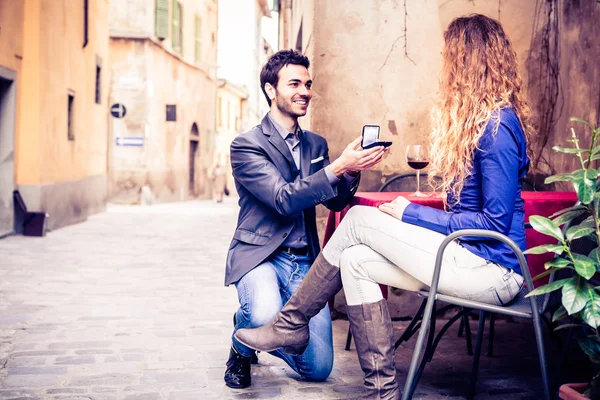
(573, 391)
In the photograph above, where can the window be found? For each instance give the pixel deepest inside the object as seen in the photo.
(299, 39)
(177, 27)
(197, 40)
(70, 112)
(220, 111)
(171, 112)
(161, 23)
(85, 22)
(98, 92)
(228, 114)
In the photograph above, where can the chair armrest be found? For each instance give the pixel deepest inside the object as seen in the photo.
(479, 233)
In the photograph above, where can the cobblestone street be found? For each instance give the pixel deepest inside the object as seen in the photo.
(131, 305)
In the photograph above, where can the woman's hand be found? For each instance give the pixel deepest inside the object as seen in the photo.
(396, 207)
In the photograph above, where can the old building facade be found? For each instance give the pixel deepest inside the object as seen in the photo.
(53, 95)
(232, 112)
(163, 91)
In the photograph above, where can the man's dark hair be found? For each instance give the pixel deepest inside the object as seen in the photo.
(270, 71)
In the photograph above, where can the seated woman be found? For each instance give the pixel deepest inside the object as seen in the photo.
(479, 150)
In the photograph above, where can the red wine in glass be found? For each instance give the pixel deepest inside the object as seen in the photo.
(417, 158)
(418, 164)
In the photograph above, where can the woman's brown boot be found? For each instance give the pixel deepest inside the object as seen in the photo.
(373, 336)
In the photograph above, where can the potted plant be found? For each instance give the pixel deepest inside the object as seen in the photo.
(580, 295)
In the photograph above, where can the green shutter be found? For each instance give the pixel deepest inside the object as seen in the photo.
(175, 37)
(161, 24)
(198, 37)
(180, 28)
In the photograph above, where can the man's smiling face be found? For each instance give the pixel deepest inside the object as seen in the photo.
(293, 91)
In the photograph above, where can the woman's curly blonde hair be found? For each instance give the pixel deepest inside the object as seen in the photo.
(479, 77)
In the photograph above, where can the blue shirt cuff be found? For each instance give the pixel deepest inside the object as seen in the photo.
(333, 180)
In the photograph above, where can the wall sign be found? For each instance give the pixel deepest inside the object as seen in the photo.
(118, 110)
(129, 141)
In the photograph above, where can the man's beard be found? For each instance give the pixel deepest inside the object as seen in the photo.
(286, 108)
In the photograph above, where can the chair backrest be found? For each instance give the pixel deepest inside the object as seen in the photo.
(406, 183)
(19, 203)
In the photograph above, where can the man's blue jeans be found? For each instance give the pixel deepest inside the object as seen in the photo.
(263, 291)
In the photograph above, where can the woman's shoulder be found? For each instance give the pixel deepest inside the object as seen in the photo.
(503, 127)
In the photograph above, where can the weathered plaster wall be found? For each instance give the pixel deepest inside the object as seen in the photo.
(578, 79)
(362, 74)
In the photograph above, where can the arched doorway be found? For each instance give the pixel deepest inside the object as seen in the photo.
(194, 140)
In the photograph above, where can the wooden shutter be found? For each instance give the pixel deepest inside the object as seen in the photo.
(161, 24)
(198, 40)
(176, 38)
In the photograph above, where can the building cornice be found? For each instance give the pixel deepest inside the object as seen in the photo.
(157, 43)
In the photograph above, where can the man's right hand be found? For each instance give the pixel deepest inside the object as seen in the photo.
(355, 159)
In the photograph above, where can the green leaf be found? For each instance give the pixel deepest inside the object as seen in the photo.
(589, 222)
(560, 178)
(586, 188)
(565, 326)
(591, 173)
(594, 255)
(577, 207)
(581, 121)
(559, 314)
(574, 296)
(576, 232)
(545, 248)
(543, 274)
(569, 150)
(567, 217)
(591, 346)
(595, 154)
(546, 226)
(558, 262)
(550, 287)
(591, 312)
(585, 266)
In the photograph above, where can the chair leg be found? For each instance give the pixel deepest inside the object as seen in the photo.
(468, 333)
(461, 328)
(564, 353)
(475, 368)
(490, 352)
(410, 377)
(427, 355)
(348, 339)
(410, 329)
(539, 338)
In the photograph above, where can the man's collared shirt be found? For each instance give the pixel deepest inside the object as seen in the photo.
(297, 237)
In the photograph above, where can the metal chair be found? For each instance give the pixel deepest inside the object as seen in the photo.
(521, 307)
(406, 183)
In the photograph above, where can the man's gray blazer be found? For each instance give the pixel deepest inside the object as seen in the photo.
(272, 194)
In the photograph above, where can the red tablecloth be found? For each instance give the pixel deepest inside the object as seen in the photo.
(536, 203)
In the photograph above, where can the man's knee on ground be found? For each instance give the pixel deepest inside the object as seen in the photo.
(321, 369)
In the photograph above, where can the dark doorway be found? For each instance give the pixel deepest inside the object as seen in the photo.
(7, 133)
(194, 139)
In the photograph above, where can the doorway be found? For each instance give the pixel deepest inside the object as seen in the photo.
(194, 139)
(7, 149)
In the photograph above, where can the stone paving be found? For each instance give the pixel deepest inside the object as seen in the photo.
(131, 305)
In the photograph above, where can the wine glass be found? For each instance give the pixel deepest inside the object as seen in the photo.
(417, 157)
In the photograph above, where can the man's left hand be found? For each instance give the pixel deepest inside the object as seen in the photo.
(396, 207)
